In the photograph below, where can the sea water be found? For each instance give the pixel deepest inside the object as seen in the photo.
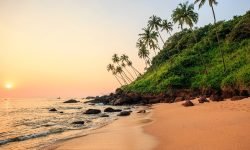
(28, 123)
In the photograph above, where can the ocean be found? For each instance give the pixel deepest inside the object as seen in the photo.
(28, 124)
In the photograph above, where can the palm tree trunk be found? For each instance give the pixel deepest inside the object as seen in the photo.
(126, 76)
(218, 39)
(118, 80)
(123, 79)
(136, 70)
(129, 73)
(160, 37)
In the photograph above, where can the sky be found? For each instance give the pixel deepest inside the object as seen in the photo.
(51, 48)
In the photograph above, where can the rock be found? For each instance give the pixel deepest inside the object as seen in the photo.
(179, 99)
(203, 99)
(104, 115)
(155, 100)
(71, 101)
(142, 111)
(216, 98)
(61, 112)
(124, 113)
(92, 111)
(90, 97)
(78, 122)
(235, 98)
(188, 103)
(52, 109)
(109, 109)
(244, 93)
(128, 108)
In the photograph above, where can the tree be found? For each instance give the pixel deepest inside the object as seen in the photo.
(154, 22)
(124, 59)
(167, 26)
(211, 4)
(190, 17)
(119, 70)
(111, 67)
(116, 60)
(130, 64)
(144, 54)
(149, 39)
(177, 17)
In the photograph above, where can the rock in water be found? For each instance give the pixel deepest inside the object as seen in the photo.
(109, 109)
(93, 111)
(142, 111)
(203, 99)
(52, 109)
(124, 113)
(71, 101)
(188, 103)
(78, 122)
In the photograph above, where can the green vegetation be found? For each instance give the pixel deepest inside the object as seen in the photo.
(180, 64)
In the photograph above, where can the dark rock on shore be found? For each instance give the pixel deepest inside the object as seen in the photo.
(124, 113)
(52, 109)
(235, 98)
(188, 103)
(141, 111)
(104, 115)
(179, 99)
(92, 111)
(203, 99)
(109, 109)
(90, 97)
(216, 98)
(78, 122)
(71, 101)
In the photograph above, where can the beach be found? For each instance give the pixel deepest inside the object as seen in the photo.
(214, 125)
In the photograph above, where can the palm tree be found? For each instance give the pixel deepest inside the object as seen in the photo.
(116, 60)
(148, 38)
(144, 54)
(124, 58)
(111, 67)
(189, 17)
(167, 26)
(177, 17)
(130, 64)
(154, 22)
(211, 4)
(119, 70)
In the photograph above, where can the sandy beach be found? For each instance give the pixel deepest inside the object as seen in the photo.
(215, 125)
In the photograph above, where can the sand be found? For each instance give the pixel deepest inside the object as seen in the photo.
(209, 126)
(123, 134)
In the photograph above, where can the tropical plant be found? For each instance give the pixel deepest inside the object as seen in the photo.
(211, 4)
(116, 60)
(149, 39)
(124, 59)
(167, 26)
(154, 22)
(111, 67)
(119, 70)
(130, 64)
(144, 54)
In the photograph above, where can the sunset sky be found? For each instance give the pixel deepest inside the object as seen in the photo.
(51, 48)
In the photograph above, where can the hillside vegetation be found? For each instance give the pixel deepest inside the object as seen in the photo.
(185, 63)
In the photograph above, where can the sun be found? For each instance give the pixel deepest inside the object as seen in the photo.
(8, 86)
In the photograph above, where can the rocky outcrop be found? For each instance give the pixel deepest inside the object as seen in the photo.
(188, 103)
(236, 98)
(124, 113)
(71, 101)
(216, 98)
(92, 111)
(104, 115)
(109, 109)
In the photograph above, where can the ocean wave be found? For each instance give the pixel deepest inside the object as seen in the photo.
(31, 136)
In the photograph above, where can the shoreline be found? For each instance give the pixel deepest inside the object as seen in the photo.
(214, 125)
(122, 134)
